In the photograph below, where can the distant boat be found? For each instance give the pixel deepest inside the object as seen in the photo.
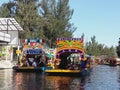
(118, 61)
(118, 48)
(118, 52)
(112, 62)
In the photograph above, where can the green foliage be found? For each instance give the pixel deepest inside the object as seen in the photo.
(2, 51)
(96, 49)
(47, 19)
(57, 15)
(28, 17)
(4, 12)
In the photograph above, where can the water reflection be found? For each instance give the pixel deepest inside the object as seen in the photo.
(101, 78)
(57, 83)
(63, 83)
(6, 81)
(28, 81)
(36, 81)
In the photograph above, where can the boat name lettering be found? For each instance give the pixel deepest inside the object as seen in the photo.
(34, 51)
(59, 39)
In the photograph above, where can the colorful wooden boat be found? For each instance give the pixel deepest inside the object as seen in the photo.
(111, 61)
(30, 69)
(65, 62)
(63, 72)
(32, 56)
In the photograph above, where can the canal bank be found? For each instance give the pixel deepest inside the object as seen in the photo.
(5, 64)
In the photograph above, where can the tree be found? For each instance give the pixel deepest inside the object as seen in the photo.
(26, 13)
(6, 10)
(47, 19)
(28, 17)
(92, 47)
(57, 15)
(96, 49)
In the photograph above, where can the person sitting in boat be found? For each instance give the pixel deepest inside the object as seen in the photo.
(70, 66)
(113, 62)
(72, 58)
(38, 59)
(41, 64)
(31, 60)
(34, 64)
(23, 61)
(88, 62)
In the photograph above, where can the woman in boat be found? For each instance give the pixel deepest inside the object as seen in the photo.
(85, 63)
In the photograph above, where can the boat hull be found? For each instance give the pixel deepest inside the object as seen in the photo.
(63, 72)
(30, 69)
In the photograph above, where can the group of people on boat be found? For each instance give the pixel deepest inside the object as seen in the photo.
(111, 61)
(74, 64)
(70, 63)
(31, 60)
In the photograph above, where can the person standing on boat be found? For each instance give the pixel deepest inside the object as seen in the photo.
(38, 60)
(83, 64)
(72, 58)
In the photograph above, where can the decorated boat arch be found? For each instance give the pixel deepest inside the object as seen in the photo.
(32, 46)
(32, 56)
(69, 55)
(68, 46)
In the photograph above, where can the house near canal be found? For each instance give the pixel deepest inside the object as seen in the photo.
(9, 41)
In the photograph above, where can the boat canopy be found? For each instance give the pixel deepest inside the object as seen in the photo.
(70, 45)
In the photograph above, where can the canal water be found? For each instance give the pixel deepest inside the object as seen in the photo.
(102, 77)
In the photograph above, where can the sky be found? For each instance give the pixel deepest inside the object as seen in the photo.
(96, 17)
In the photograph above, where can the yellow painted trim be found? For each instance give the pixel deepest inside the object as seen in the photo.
(62, 71)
